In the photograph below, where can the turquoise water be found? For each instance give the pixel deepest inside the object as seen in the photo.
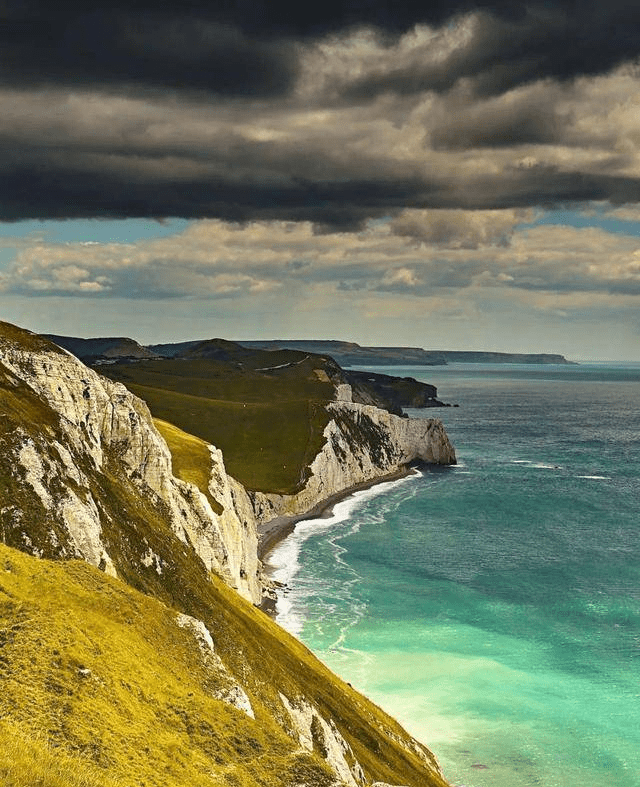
(494, 607)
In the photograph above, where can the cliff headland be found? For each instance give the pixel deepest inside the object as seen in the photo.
(130, 571)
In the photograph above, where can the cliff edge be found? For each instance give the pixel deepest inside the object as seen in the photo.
(362, 443)
(131, 643)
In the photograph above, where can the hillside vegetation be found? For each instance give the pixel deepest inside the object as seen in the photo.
(267, 421)
(104, 677)
(190, 458)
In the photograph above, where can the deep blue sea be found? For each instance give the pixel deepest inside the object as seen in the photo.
(494, 607)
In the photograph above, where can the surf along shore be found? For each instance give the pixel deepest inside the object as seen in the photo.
(276, 530)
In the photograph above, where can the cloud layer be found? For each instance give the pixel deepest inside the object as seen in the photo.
(333, 116)
(389, 165)
(415, 254)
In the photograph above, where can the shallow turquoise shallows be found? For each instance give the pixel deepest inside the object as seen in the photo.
(494, 607)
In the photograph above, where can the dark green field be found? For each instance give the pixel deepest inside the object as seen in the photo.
(267, 421)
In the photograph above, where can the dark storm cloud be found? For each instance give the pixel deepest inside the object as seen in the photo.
(69, 192)
(52, 188)
(557, 41)
(246, 48)
(546, 186)
(495, 124)
(262, 111)
(498, 55)
(153, 48)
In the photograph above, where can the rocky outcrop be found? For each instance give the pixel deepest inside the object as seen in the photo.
(315, 733)
(362, 443)
(390, 392)
(102, 429)
(227, 688)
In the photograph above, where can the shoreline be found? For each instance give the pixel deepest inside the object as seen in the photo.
(271, 533)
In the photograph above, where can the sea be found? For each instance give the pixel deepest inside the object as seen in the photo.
(493, 607)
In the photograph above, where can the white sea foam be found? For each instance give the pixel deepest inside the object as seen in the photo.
(537, 465)
(595, 477)
(283, 561)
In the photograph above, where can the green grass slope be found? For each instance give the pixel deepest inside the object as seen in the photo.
(98, 681)
(268, 422)
(106, 676)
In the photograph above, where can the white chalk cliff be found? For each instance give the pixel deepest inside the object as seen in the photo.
(362, 443)
(86, 474)
(102, 423)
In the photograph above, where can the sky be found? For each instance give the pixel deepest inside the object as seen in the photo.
(459, 175)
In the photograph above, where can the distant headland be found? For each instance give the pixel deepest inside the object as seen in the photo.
(352, 354)
(344, 353)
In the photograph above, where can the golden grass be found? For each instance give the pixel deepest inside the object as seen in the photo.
(103, 677)
(191, 458)
(99, 673)
(28, 760)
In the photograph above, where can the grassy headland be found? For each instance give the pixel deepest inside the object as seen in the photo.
(267, 420)
(101, 685)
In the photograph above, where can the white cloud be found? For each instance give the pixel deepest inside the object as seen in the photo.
(405, 277)
(460, 229)
(417, 252)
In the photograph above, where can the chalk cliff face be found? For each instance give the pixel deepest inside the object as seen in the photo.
(85, 474)
(101, 436)
(100, 430)
(362, 443)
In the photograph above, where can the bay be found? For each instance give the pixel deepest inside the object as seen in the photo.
(494, 607)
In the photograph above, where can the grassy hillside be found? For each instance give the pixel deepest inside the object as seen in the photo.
(105, 675)
(99, 682)
(268, 422)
